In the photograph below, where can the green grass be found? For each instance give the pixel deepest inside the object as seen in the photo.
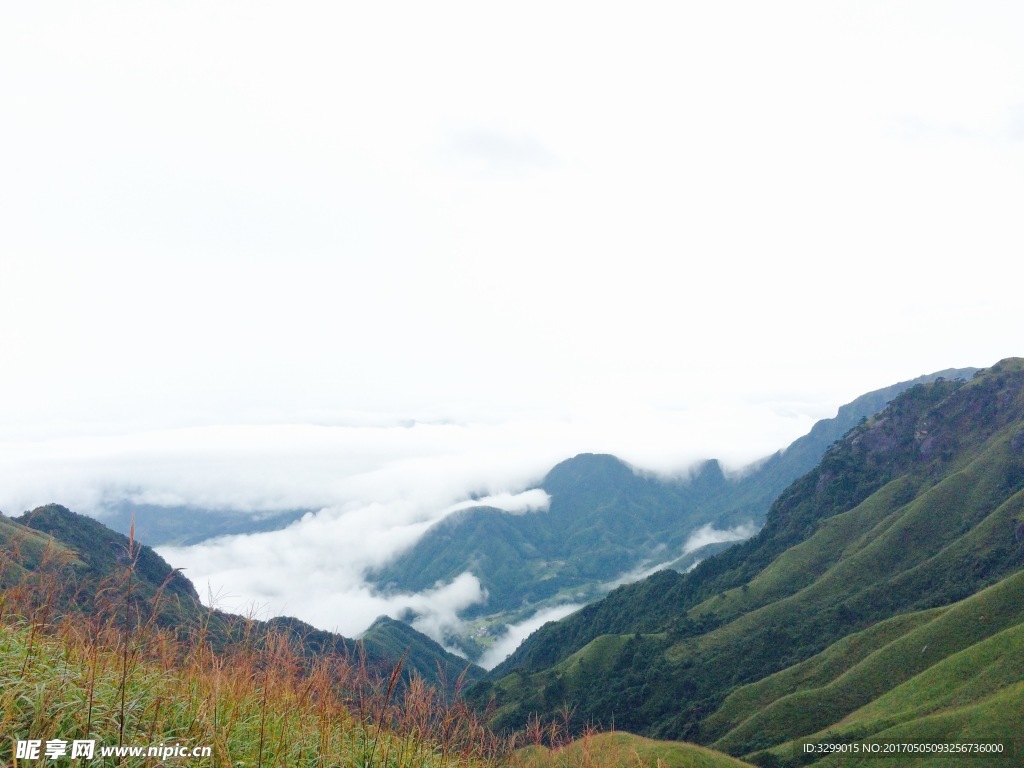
(962, 678)
(996, 718)
(950, 632)
(23, 550)
(252, 707)
(858, 583)
(596, 656)
(115, 677)
(623, 750)
(816, 672)
(801, 564)
(878, 539)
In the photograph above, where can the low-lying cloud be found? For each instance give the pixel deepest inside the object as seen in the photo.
(314, 570)
(515, 633)
(376, 486)
(533, 500)
(708, 534)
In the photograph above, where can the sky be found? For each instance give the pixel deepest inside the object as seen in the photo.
(382, 257)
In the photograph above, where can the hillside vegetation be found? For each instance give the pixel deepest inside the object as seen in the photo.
(85, 558)
(605, 519)
(259, 699)
(623, 750)
(881, 598)
(101, 640)
(183, 526)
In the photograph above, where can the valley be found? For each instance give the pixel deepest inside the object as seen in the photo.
(881, 600)
(607, 524)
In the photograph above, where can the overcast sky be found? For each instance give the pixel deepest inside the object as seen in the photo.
(257, 254)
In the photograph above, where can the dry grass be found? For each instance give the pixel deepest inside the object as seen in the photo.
(110, 673)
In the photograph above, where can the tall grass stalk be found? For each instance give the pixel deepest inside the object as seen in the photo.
(101, 667)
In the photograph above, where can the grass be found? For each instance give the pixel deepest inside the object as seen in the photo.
(963, 678)
(102, 664)
(816, 672)
(958, 632)
(113, 675)
(622, 750)
(802, 563)
(23, 551)
(996, 717)
(252, 706)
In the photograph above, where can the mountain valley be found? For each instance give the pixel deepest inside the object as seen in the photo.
(881, 600)
(606, 524)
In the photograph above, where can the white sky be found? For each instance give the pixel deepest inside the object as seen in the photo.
(241, 243)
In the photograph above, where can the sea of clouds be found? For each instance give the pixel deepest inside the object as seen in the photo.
(375, 488)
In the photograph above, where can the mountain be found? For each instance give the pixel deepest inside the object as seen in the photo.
(183, 526)
(88, 565)
(393, 639)
(753, 492)
(601, 514)
(883, 599)
(605, 520)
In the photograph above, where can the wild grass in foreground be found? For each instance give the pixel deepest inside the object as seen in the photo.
(99, 661)
(112, 675)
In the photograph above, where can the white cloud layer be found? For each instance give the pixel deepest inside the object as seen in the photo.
(708, 534)
(422, 467)
(377, 489)
(514, 635)
(533, 500)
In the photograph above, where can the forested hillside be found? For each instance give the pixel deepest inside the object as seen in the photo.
(893, 563)
(606, 519)
(85, 561)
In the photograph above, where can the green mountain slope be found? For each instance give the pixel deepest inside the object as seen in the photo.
(87, 564)
(183, 526)
(955, 655)
(758, 486)
(866, 575)
(24, 551)
(101, 551)
(393, 639)
(602, 516)
(605, 519)
(623, 750)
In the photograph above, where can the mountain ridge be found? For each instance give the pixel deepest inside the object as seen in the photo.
(915, 510)
(606, 519)
(94, 555)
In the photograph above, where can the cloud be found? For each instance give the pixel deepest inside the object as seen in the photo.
(708, 534)
(638, 573)
(377, 485)
(516, 633)
(437, 610)
(423, 467)
(533, 500)
(314, 568)
(496, 153)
